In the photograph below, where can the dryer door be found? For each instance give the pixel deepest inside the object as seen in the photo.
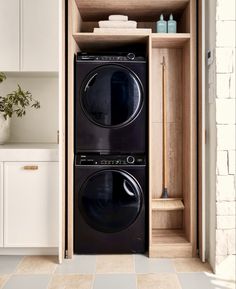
(111, 96)
(110, 200)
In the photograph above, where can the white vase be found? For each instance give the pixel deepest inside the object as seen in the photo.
(4, 129)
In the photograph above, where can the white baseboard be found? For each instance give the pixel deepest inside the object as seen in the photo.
(29, 251)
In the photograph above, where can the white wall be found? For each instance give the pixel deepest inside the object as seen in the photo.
(41, 125)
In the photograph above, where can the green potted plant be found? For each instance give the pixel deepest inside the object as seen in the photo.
(14, 103)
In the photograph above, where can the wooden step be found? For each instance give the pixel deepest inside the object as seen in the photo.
(169, 244)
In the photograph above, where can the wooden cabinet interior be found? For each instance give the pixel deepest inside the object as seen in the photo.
(171, 227)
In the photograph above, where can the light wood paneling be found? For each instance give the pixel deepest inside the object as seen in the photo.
(165, 40)
(174, 147)
(170, 244)
(167, 219)
(86, 40)
(168, 236)
(135, 9)
(94, 42)
(173, 59)
(189, 132)
(186, 137)
(174, 250)
(150, 134)
(193, 129)
(179, 52)
(183, 24)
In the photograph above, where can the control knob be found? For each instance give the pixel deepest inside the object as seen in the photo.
(131, 56)
(130, 159)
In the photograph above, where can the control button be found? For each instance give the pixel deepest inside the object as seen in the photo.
(130, 159)
(131, 56)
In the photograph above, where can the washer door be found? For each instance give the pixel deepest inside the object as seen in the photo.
(111, 96)
(110, 200)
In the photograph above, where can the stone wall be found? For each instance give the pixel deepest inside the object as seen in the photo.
(225, 127)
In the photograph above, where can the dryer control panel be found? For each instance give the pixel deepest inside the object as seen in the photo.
(116, 57)
(110, 160)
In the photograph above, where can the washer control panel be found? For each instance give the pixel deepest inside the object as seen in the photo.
(130, 56)
(110, 160)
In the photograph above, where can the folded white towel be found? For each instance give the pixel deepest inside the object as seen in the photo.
(118, 18)
(117, 24)
(122, 30)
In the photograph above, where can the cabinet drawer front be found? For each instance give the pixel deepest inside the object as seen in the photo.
(1, 204)
(10, 36)
(40, 35)
(30, 204)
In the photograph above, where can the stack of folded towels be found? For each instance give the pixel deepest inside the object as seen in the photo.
(117, 21)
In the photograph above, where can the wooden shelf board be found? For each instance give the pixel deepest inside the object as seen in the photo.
(94, 41)
(171, 250)
(136, 9)
(169, 244)
(87, 40)
(171, 204)
(168, 40)
(164, 236)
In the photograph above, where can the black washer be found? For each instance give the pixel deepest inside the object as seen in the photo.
(110, 205)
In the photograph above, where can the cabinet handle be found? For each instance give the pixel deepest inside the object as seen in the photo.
(30, 168)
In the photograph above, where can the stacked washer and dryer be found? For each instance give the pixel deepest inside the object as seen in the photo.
(110, 184)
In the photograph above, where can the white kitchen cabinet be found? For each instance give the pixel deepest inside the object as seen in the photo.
(40, 47)
(1, 204)
(10, 35)
(31, 204)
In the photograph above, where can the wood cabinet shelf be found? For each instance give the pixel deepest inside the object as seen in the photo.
(135, 9)
(169, 244)
(96, 42)
(166, 40)
(164, 236)
(87, 40)
(171, 204)
(172, 223)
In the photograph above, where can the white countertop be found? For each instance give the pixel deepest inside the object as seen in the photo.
(29, 152)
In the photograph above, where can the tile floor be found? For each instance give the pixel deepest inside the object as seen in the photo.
(107, 272)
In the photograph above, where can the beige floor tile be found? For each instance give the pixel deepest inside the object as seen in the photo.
(3, 280)
(115, 264)
(71, 282)
(158, 281)
(37, 265)
(191, 265)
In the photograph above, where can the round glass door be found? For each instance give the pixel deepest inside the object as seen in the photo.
(111, 96)
(110, 201)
